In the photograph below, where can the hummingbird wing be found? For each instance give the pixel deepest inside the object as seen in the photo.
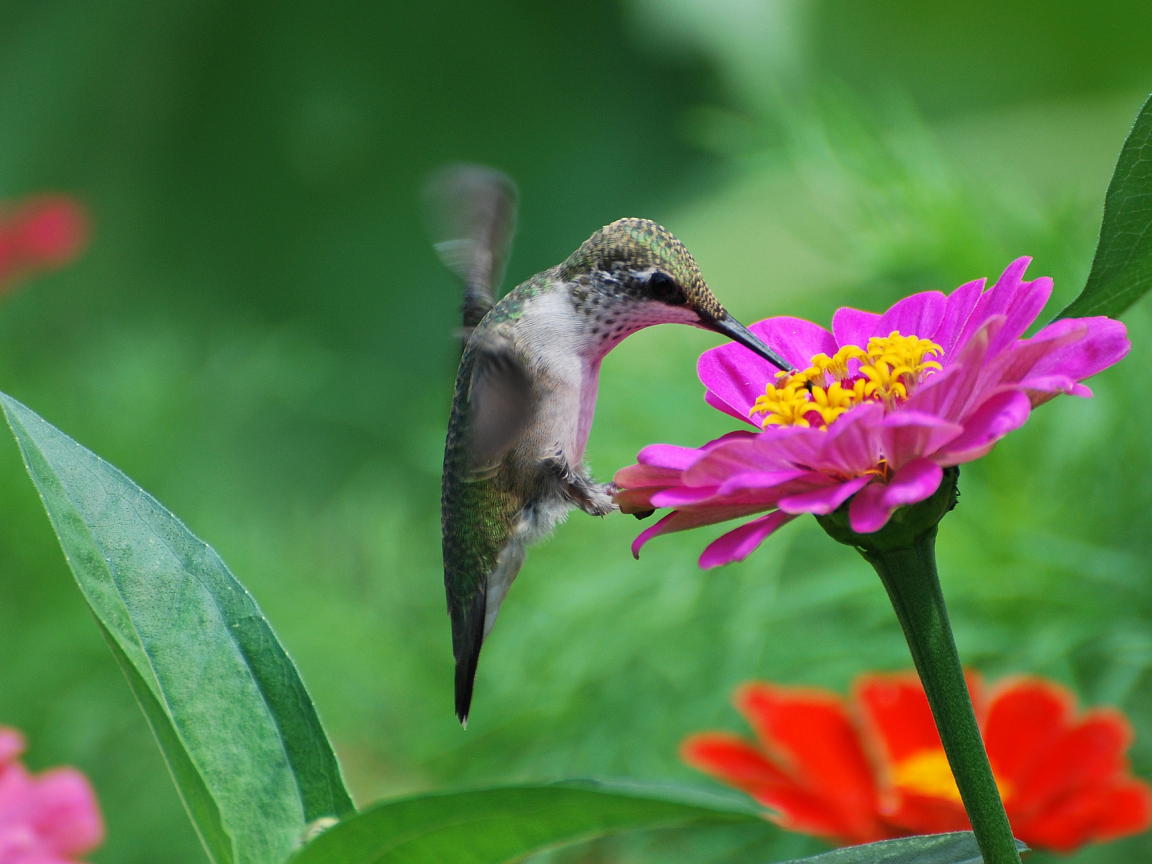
(471, 215)
(500, 398)
(492, 406)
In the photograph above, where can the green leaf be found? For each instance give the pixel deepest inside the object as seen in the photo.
(237, 727)
(491, 826)
(957, 848)
(1122, 269)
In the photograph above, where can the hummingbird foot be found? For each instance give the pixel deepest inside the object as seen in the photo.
(593, 498)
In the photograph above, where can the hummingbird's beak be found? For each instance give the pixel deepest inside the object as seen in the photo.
(737, 332)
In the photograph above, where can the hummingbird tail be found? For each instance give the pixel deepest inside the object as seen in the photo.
(469, 636)
(465, 678)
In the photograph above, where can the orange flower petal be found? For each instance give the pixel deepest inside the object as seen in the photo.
(1089, 753)
(811, 814)
(740, 764)
(1090, 815)
(733, 760)
(895, 712)
(810, 734)
(1065, 777)
(921, 814)
(1025, 717)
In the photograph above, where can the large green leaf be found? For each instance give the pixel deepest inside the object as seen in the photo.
(1122, 269)
(491, 826)
(957, 848)
(236, 725)
(496, 826)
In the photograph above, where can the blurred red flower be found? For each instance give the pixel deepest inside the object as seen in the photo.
(43, 233)
(873, 767)
(46, 818)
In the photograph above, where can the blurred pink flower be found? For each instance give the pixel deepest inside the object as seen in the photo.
(880, 406)
(47, 818)
(43, 233)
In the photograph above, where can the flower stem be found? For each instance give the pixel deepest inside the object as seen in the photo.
(909, 575)
(903, 554)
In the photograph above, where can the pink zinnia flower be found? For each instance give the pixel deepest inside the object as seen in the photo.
(879, 407)
(46, 818)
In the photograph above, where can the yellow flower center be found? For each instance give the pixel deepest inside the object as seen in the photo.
(928, 773)
(887, 372)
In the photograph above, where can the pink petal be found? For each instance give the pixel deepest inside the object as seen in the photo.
(1019, 302)
(738, 544)
(853, 327)
(760, 480)
(959, 307)
(917, 315)
(772, 450)
(678, 496)
(744, 491)
(668, 456)
(636, 501)
(797, 340)
(682, 520)
(852, 443)
(64, 812)
(947, 394)
(11, 744)
(992, 421)
(936, 393)
(906, 435)
(913, 483)
(1046, 387)
(735, 377)
(646, 476)
(791, 446)
(729, 437)
(15, 783)
(1018, 361)
(1029, 303)
(650, 532)
(720, 405)
(866, 514)
(873, 505)
(823, 501)
(1104, 344)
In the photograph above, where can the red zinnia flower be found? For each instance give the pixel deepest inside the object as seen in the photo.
(43, 233)
(874, 768)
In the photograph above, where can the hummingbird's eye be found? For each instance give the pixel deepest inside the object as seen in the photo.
(662, 286)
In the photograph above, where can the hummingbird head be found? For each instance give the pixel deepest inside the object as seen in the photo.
(635, 273)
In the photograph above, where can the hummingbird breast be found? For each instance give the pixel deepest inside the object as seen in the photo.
(566, 334)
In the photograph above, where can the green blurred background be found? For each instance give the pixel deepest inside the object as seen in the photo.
(261, 336)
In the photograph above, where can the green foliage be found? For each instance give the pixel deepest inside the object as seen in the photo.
(493, 826)
(237, 727)
(1122, 269)
(956, 848)
(261, 336)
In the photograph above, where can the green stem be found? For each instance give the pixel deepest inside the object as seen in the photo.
(909, 575)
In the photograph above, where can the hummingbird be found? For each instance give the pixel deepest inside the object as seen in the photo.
(526, 387)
